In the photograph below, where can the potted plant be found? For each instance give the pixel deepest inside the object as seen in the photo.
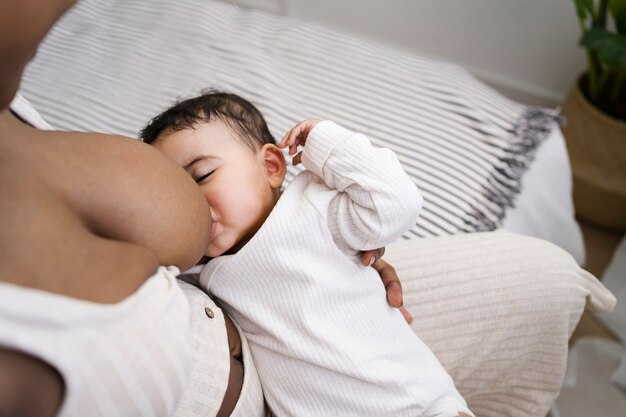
(595, 111)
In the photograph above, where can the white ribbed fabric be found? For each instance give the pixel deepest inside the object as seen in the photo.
(322, 335)
(25, 111)
(130, 358)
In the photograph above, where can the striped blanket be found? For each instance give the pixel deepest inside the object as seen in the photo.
(110, 65)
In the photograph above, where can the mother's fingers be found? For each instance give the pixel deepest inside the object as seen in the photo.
(391, 281)
(394, 293)
(393, 287)
(407, 316)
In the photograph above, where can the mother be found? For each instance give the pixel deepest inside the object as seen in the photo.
(83, 312)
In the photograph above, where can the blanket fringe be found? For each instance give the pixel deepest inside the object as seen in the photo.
(531, 129)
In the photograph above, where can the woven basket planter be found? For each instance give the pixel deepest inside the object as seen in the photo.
(596, 144)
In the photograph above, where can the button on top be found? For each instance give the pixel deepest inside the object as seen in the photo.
(209, 312)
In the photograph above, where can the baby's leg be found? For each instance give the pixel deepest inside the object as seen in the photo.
(497, 309)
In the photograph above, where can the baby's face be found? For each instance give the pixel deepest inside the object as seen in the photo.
(231, 176)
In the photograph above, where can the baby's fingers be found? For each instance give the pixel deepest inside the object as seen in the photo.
(297, 135)
(284, 142)
(297, 159)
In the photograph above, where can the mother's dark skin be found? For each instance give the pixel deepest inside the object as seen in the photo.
(64, 201)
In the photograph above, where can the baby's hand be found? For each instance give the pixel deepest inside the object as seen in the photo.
(297, 137)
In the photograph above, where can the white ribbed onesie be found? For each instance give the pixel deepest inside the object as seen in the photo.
(323, 337)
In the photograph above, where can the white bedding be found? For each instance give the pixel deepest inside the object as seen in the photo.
(110, 65)
(544, 208)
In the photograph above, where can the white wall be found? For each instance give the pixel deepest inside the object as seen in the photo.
(526, 48)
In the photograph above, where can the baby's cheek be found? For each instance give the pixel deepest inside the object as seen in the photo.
(215, 249)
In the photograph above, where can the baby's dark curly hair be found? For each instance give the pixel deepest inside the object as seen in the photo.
(241, 115)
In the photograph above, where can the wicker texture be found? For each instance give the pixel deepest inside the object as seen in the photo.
(596, 144)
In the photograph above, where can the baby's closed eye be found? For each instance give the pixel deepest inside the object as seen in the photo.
(202, 177)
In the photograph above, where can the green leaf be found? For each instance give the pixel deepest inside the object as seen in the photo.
(588, 5)
(595, 38)
(613, 54)
(617, 7)
(620, 22)
(610, 47)
(584, 8)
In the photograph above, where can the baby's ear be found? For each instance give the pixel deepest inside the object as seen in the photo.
(275, 166)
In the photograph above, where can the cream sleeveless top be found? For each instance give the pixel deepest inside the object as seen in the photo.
(130, 358)
(211, 362)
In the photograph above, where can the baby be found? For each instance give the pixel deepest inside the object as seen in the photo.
(286, 265)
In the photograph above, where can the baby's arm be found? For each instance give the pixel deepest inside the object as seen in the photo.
(377, 201)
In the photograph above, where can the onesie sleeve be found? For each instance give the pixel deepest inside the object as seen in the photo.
(376, 202)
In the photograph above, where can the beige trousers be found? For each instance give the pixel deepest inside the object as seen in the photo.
(498, 310)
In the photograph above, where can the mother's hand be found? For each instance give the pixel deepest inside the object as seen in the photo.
(389, 277)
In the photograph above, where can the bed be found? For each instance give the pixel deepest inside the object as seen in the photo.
(482, 161)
